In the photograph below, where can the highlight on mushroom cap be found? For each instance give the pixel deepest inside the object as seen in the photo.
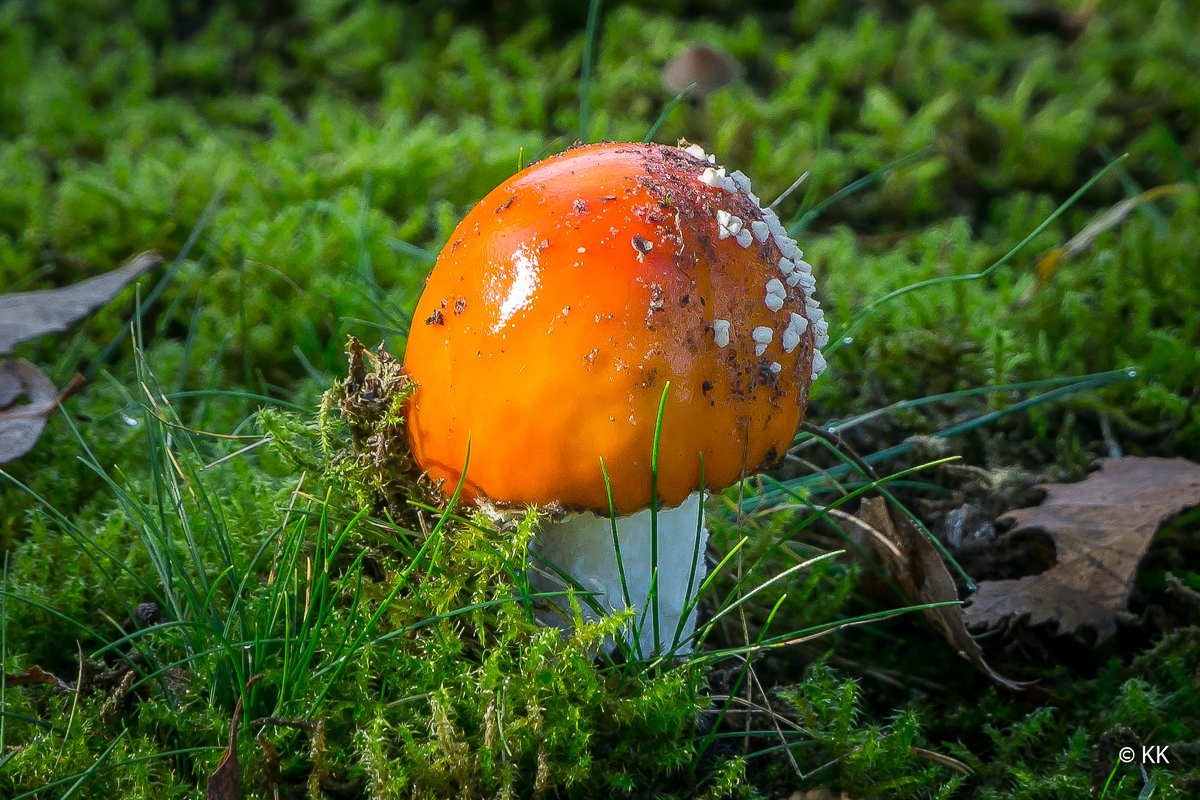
(571, 295)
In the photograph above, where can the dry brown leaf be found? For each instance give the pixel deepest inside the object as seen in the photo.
(918, 569)
(21, 423)
(36, 674)
(27, 315)
(27, 396)
(1101, 529)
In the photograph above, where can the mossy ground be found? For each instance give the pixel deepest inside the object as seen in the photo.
(305, 161)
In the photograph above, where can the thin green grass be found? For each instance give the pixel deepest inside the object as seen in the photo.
(862, 315)
(166, 280)
(824, 479)
(99, 767)
(666, 112)
(83, 776)
(301, 629)
(805, 219)
(653, 604)
(700, 535)
(590, 36)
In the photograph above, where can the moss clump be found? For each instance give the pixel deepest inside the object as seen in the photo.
(372, 406)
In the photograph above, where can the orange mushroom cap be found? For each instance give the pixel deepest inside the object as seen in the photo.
(566, 300)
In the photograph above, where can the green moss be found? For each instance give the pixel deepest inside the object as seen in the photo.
(417, 654)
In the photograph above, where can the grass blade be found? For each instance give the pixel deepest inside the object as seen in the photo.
(590, 37)
(867, 180)
(863, 314)
(666, 112)
(662, 406)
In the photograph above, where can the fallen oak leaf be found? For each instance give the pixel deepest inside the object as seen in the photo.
(916, 566)
(27, 315)
(1101, 528)
(22, 424)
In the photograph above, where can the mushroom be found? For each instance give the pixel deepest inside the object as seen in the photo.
(546, 337)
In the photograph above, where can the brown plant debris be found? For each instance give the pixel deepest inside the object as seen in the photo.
(1176, 587)
(36, 674)
(116, 702)
(270, 765)
(225, 782)
(94, 676)
(917, 569)
(1101, 528)
(27, 315)
(1053, 260)
(372, 402)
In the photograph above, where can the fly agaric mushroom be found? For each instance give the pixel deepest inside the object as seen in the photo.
(549, 328)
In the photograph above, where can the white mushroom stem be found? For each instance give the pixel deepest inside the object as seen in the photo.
(581, 545)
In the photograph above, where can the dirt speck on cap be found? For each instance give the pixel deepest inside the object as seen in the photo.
(656, 302)
(642, 245)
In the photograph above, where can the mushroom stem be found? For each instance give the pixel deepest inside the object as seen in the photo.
(581, 545)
